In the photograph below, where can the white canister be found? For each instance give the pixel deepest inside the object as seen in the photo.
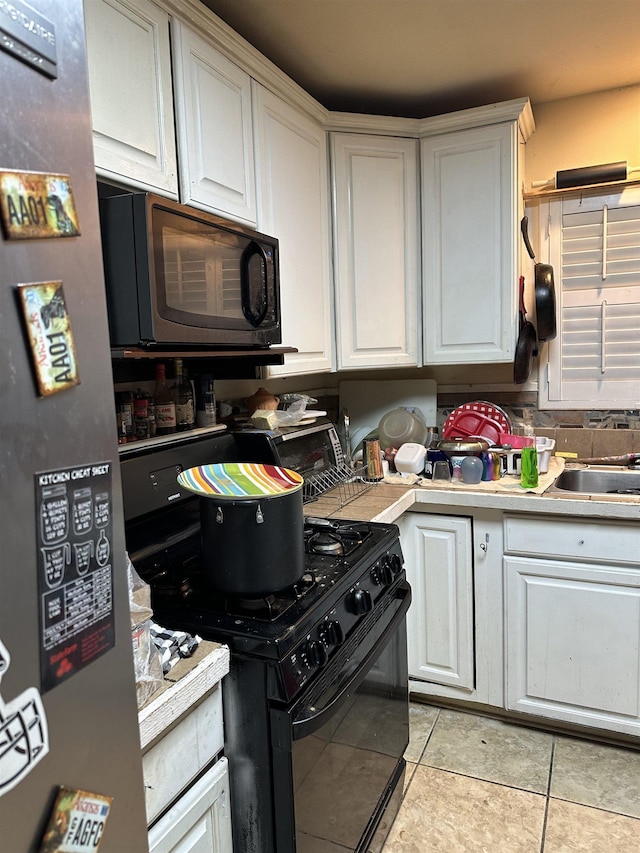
(410, 458)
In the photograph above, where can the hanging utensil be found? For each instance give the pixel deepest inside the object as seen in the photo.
(544, 290)
(526, 345)
(346, 424)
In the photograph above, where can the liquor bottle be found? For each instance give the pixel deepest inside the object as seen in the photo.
(141, 415)
(182, 394)
(164, 404)
(205, 400)
(126, 431)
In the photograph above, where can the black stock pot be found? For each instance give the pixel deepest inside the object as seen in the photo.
(252, 524)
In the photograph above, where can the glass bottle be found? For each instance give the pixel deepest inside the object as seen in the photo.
(182, 394)
(205, 400)
(165, 407)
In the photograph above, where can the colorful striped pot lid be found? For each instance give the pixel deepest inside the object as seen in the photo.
(240, 480)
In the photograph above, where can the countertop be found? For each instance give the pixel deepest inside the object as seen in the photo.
(387, 500)
(184, 685)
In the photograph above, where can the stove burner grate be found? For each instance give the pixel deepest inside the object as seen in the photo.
(322, 536)
(272, 605)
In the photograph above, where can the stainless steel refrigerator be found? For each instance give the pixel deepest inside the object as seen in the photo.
(68, 712)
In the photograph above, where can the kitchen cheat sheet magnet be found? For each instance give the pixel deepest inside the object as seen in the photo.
(50, 336)
(75, 578)
(77, 822)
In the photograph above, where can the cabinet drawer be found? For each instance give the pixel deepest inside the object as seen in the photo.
(176, 759)
(200, 820)
(575, 539)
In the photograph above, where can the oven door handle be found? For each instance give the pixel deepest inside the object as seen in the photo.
(310, 718)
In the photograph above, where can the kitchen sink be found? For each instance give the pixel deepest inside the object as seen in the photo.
(599, 481)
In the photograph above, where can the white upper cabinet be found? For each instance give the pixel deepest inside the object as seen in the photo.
(472, 164)
(215, 128)
(293, 205)
(131, 99)
(376, 250)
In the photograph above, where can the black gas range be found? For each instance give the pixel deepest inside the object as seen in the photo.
(316, 700)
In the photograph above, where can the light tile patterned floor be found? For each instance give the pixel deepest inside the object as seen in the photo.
(477, 785)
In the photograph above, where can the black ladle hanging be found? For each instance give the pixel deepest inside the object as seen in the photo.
(544, 291)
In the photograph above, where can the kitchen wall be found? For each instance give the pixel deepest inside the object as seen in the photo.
(603, 127)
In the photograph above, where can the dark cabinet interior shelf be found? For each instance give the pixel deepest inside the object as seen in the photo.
(270, 355)
(136, 364)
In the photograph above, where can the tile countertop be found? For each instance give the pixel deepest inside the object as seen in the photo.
(386, 501)
(184, 686)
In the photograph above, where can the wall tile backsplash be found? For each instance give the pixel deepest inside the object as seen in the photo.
(587, 433)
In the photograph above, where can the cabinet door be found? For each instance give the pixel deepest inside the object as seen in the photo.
(572, 635)
(293, 205)
(439, 566)
(215, 128)
(131, 99)
(470, 244)
(200, 820)
(377, 254)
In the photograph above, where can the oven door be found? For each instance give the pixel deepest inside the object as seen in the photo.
(338, 756)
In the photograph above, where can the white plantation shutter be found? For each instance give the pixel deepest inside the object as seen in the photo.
(595, 244)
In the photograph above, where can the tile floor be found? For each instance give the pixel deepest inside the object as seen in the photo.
(478, 785)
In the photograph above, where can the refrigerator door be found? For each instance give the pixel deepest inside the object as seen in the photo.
(68, 717)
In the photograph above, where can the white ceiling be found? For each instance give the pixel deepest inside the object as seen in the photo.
(417, 58)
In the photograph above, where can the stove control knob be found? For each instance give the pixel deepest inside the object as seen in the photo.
(316, 653)
(381, 574)
(360, 601)
(331, 633)
(394, 562)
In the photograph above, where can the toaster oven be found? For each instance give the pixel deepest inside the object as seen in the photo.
(314, 451)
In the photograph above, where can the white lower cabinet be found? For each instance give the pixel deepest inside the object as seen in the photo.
(454, 622)
(177, 758)
(200, 821)
(186, 779)
(572, 625)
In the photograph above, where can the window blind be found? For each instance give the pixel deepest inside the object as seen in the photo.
(595, 361)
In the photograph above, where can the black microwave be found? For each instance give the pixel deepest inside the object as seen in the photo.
(176, 275)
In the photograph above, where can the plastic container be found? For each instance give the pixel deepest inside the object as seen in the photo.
(516, 441)
(410, 458)
(400, 426)
(544, 449)
(471, 469)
